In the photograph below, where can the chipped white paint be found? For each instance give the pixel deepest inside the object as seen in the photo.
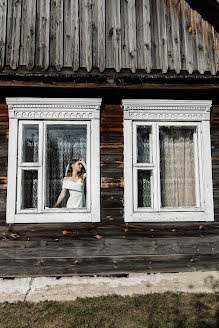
(68, 289)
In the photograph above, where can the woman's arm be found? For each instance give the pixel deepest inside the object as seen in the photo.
(60, 198)
(83, 163)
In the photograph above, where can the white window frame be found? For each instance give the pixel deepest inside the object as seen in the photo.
(44, 111)
(155, 113)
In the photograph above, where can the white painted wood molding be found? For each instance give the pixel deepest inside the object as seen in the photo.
(155, 112)
(61, 110)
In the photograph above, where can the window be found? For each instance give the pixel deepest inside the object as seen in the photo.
(47, 137)
(167, 157)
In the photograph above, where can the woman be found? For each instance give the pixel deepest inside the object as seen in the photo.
(74, 183)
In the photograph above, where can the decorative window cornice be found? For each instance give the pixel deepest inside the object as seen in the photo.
(167, 110)
(54, 108)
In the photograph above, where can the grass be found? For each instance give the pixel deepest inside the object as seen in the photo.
(165, 310)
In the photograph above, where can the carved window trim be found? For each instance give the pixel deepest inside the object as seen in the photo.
(177, 112)
(52, 110)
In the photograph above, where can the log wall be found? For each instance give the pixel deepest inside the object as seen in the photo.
(215, 157)
(111, 247)
(3, 159)
(111, 154)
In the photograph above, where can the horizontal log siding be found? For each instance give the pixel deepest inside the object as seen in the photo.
(112, 191)
(110, 247)
(165, 35)
(3, 160)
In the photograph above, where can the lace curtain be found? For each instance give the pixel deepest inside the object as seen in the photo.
(30, 143)
(143, 156)
(30, 155)
(177, 171)
(29, 189)
(64, 143)
(144, 188)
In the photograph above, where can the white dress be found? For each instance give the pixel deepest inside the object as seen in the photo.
(76, 191)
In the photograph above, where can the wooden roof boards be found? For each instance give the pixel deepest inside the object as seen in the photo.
(150, 35)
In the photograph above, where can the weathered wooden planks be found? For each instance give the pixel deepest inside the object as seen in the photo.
(3, 158)
(13, 32)
(71, 34)
(3, 20)
(187, 35)
(136, 34)
(175, 29)
(201, 57)
(162, 34)
(68, 248)
(59, 34)
(215, 157)
(132, 35)
(85, 21)
(101, 26)
(106, 265)
(113, 35)
(43, 33)
(28, 34)
(111, 164)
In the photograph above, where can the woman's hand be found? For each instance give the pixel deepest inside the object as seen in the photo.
(83, 163)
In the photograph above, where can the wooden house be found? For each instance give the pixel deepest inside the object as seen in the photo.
(132, 87)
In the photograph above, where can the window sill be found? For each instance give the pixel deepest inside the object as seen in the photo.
(169, 217)
(54, 218)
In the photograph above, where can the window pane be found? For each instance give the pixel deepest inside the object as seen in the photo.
(144, 188)
(177, 167)
(29, 189)
(30, 143)
(64, 143)
(143, 144)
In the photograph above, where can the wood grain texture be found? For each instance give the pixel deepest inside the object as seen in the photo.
(134, 35)
(41, 266)
(3, 158)
(69, 248)
(116, 34)
(74, 249)
(175, 29)
(215, 157)
(162, 34)
(111, 164)
(28, 34)
(75, 35)
(59, 42)
(201, 57)
(156, 60)
(187, 36)
(43, 34)
(101, 26)
(147, 35)
(13, 32)
(3, 20)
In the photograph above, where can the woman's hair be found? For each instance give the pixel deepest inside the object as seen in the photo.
(70, 169)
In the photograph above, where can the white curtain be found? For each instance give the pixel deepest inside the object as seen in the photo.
(177, 170)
